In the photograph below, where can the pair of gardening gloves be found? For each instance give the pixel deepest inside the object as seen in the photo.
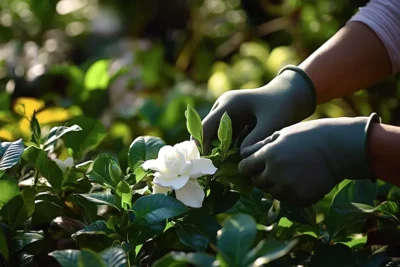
(297, 162)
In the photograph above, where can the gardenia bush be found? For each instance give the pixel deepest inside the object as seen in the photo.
(174, 206)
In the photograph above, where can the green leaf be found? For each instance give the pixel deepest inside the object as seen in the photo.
(10, 154)
(97, 76)
(46, 166)
(18, 209)
(101, 199)
(225, 133)
(88, 208)
(35, 128)
(236, 238)
(191, 236)
(58, 132)
(88, 138)
(114, 257)
(204, 222)
(89, 258)
(3, 245)
(267, 251)
(102, 169)
(141, 235)
(181, 259)
(45, 211)
(8, 188)
(144, 148)
(67, 257)
(98, 227)
(156, 208)
(360, 191)
(22, 239)
(115, 172)
(220, 199)
(125, 193)
(193, 124)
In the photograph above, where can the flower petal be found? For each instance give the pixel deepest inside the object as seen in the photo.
(152, 164)
(202, 167)
(192, 195)
(176, 182)
(188, 149)
(69, 162)
(157, 189)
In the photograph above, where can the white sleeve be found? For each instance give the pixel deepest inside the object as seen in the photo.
(383, 17)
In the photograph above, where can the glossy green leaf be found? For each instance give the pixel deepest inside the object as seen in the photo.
(89, 258)
(267, 251)
(22, 239)
(236, 238)
(124, 192)
(58, 132)
(181, 259)
(92, 133)
(191, 236)
(97, 76)
(102, 170)
(101, 199)
(99, 227)
(114, 257)
(156, 208)
(10, 153)
(18, 209)
(67, 257)
(225, 133)
(193, 124)
(144, 148)
(8, 188)
(35, 129)
(46, 166)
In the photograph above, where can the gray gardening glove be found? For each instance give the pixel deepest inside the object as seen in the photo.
(303, 162)
(287, 99)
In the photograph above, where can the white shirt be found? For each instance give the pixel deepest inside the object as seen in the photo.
(383, 17)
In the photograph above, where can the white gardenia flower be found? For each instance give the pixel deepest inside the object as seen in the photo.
(63, 165)
(177, 168)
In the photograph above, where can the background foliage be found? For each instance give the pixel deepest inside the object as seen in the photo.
(132, 67)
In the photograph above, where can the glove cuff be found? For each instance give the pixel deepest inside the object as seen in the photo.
(308, 81)
(373, 118)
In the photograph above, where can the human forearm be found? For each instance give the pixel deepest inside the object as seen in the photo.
(354, 58)
(384, 152)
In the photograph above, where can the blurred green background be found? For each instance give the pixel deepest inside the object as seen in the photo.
(135, 65)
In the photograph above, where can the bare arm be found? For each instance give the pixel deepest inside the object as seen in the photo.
(354, 58)
(384, 152)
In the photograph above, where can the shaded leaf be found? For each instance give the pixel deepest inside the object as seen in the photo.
(88, 138)
(144, 148)
(181, 259)
(114, 257)
(46, 166)
(236, 238)
(156, 208)
(67, 257)
(101, 199)
(191, 236)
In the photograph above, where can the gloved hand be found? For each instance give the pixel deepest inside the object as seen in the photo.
(303, 162)
(287, 99)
